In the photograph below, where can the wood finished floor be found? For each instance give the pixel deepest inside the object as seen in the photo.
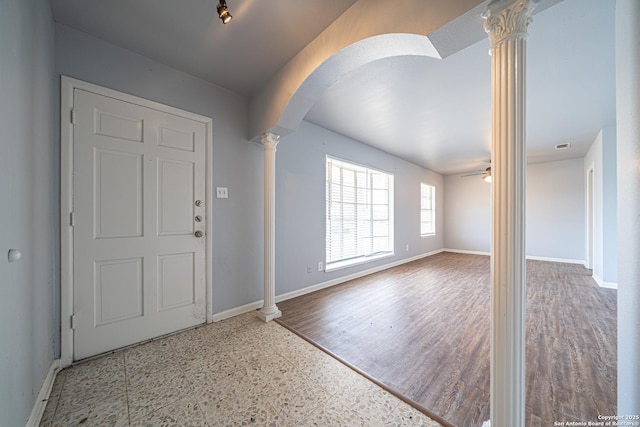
(423, 329)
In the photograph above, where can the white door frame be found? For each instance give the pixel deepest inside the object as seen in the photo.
(590, 190)
(68, 85)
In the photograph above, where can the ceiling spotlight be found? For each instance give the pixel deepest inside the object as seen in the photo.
(223, 12)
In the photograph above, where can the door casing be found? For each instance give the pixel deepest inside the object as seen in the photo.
(68, 85)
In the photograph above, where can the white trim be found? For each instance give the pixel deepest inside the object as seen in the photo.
(209, 217)
(562, 260)
(603, 284)
(590, 217)
(236, 311)
(66, 231)
(67, 86)
(532, 257)
(257, 304)
(43, 396)
(463, 251)
(337, 281)
(339, 265)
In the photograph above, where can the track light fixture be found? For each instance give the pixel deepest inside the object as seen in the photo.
(223, 12)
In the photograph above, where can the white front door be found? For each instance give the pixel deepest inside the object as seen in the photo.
(139, 223)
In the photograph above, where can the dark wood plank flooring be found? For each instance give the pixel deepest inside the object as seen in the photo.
(422, 329)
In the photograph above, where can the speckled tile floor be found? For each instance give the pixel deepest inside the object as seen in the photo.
(237, 372)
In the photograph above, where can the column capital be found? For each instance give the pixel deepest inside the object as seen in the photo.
(270, 140)
(507, 19)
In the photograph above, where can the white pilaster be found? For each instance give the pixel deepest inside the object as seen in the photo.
(506, 22)
(628, 158)
(269, 311)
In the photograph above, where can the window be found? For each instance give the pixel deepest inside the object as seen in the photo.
(359, 214)
(427, 210)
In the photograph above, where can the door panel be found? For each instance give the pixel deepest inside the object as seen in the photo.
(139, 269)
(118, 290)
(175, 197)
(175, 281)
(176, 138)
(116, 126)
(118, 176)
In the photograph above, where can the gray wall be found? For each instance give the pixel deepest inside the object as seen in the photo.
(29, 206)
(467, 207)
(555, 211)
(300, 205)
(237, 163)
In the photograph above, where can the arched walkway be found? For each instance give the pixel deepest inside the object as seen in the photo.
(435, 28)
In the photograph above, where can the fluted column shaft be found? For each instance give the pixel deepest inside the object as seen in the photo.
(269, 311)
(628, 158)
(506, 22)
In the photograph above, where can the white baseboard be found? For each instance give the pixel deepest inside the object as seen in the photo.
(43, 396)
(283, 297)
(236, 311)
(333, 282)
(563, 260)
(299, 292)
(463, 251)
(532, 257)
(603, 284)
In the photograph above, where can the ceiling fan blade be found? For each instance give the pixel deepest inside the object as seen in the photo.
(473, 174)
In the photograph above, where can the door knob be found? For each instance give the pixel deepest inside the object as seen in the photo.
(199, 233)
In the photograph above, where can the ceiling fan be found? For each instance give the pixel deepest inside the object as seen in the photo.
(486, 174)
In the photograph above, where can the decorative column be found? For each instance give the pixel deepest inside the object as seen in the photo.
(269, 311)
(628, 158)
(506, 22)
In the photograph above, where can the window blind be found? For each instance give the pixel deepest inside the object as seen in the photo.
(359, 213)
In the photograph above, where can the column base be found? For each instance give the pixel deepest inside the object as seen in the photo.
(269, 315)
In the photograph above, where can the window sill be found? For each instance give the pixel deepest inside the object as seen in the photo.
(338, 265)
(428, 235)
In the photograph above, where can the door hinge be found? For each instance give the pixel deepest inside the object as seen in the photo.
(73, 116)
(72, 219)
(73, 321)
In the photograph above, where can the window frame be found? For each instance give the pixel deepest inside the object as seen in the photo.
(358, 207)
(431, 209)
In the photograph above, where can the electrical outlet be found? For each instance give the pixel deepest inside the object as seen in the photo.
(320, 266)
(222, 192)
